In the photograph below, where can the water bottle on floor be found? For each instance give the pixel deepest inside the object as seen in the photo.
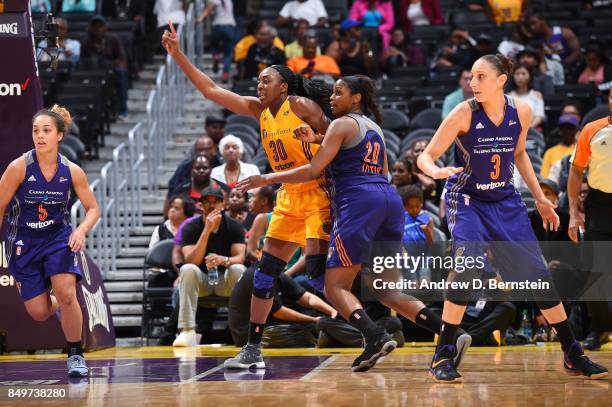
(213, 275)
(525, 328)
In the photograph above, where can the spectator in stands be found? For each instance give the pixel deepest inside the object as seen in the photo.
(200, 179)
(215, 127)
(596, 4)
(551, 191)
(165, 10)
(262, 200)
(568, 129)
(41, 6)
(402, 173)
(204, 145)
(72, 6)
(181, 208)
(68, 49)
(464, 92)
(483, 46)
(288, 293)
(233, 169)
(295, 48)
(312, 65)
(572, 107)
(212, 240)
(237, 208)
(505, 11)
(559, 41)
(532, 59)
(104, 49)
(353, 53)
(377, 14)
(418, 228)
(242, 47)
(312, 11)
(401, 52)
(420, 12)
(453, 52)
(596, 69)
(523, 89)
(223, 32)
(486, 321)
(262, 53)
(415, 149)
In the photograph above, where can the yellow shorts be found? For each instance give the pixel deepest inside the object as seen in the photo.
(300, 214)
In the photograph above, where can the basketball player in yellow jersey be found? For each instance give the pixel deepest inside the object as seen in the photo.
(301, 216)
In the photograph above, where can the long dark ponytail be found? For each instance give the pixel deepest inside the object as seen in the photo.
(317, 91)
(365, 86)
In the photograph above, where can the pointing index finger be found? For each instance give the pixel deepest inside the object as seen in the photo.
(172, 29)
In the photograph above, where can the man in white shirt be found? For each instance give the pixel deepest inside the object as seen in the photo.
(312, 11)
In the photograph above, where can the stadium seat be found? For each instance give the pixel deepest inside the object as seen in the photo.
(427, 119)
(595, 113)
(248, 120)
(69, 153)
(439, 236)
(465, 18)
(156, 301)
(419, 134)
(434, 217)
(229, 128)
(74, 143)
(395, 121)
(389, 135)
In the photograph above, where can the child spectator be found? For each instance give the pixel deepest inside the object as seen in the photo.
(181, 208)
(418, 227)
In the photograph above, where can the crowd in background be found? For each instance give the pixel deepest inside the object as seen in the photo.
(373, 37)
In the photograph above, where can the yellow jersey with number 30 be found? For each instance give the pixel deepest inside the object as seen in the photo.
(284, 151)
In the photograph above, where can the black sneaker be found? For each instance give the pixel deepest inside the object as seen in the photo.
(442, 367)
(373, 351)
(594, 340)
(577, 363)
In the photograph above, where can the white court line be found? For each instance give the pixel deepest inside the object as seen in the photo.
(322, 366)
(203, 374)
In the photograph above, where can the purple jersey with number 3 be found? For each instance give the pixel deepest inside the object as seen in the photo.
(486, 153)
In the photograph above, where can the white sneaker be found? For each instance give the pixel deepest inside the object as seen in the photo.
(186, 338)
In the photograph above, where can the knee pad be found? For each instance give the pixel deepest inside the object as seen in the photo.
(264, 280)
(315, 270)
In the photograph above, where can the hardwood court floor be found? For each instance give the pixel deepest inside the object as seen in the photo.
(508, 376)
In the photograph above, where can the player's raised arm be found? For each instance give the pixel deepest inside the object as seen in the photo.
(244, 105)
(457, 122)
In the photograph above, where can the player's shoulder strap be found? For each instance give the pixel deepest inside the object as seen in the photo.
(511, 101)
(28, 157)
(474, 105)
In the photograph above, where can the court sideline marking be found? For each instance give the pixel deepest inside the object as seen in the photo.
(322, 366)
(203, 374)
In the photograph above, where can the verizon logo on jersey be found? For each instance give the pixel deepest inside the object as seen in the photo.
(492, 185)
(40, 225)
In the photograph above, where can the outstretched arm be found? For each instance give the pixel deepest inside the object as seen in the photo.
(243, 105)
(336, 134)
